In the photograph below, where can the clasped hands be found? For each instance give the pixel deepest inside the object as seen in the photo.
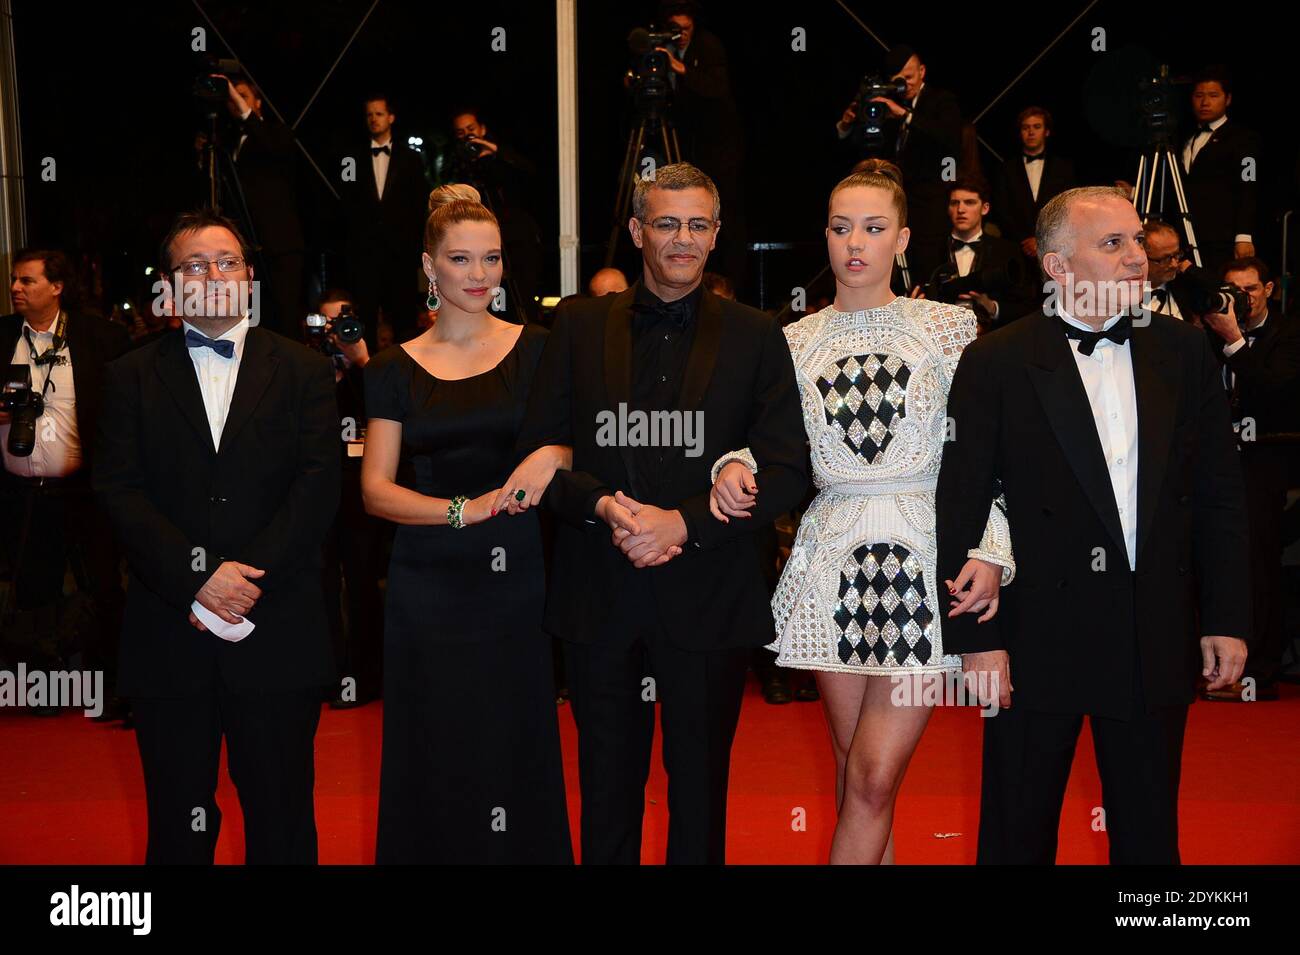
(648, 536)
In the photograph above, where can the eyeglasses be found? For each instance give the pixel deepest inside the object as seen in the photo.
(227, 263)
(1170, 258)
(670, 225)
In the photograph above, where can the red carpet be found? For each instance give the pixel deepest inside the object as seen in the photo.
(71, 792)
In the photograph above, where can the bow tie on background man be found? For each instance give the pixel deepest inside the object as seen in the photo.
(223, 347)
(376, 150)
(1118, 333)
(1029, 158)
(956, 244)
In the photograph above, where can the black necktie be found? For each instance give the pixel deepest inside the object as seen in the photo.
(1118, 333)
(376, 150)
(1029, 158)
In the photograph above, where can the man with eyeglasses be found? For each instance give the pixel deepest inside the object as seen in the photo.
(49, 516)
(1171, 275)
(219, 467)
(655, 599)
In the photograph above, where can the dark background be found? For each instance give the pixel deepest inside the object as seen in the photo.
(106, 91)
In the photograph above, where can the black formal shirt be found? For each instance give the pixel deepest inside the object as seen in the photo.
(662, 334)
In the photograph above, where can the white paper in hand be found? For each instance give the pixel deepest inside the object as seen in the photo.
(234, 632)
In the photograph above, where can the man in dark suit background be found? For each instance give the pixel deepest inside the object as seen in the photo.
(1029, 180)
(1221, 186)
(924, 135)
(50, 517)
(1177, 286)
(384, 207)
(265, 160)
(656, 599)
(1006, 288)
(219, 467)
(1260, 353)
(1111, 440)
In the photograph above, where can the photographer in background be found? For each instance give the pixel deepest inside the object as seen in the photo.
(383, 224)
(1261, 368)
(984, 272)
(46, 432)
(708, 123)
(355, 556)
(922, 132)
(504, 179)
(1174, 280)
(262, 152)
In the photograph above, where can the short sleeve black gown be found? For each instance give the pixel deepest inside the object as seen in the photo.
(471, 768)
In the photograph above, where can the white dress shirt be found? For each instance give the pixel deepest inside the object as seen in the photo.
(1242, 342)
(1169, 306)
(217, 375)
(1108, 380)
(379, 163)
(58, 444)
(965, 256)
(1034, 172)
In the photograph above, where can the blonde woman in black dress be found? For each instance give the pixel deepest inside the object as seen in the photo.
(471, 753)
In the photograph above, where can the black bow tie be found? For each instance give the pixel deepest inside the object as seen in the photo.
(955, 244)
(1253, 333)
(678, 312)
(1117, 333)
(1038, 158)
(1203, 128)
(376, 150)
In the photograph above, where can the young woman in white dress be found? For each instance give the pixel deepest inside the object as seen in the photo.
(858, 601)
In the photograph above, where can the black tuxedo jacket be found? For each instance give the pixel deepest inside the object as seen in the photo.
(1268, 375)
(266, 164)
(92, 343)
(1221, 204)
(390, 227)
(1021, 417)
(740, 376)
(1014, 205)
(266, 498)
(994, 252)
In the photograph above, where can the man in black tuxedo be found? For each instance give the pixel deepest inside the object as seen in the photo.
(1260, 354)
(1004, 287)
(220, 470)
(384, 207)
(924, 137)
(1221, 187)
(265, 160)
(1110, 438)
(655, 598)
(49, 513)
(1029, 180)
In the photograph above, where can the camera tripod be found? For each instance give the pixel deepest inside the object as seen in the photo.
(651, 125)
(1156, 160)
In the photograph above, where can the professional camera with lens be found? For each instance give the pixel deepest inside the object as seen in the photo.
(1155, 105)
(871, 115)
(24, 406)
(995, 281)
(1208, 297)
(348, 328)
(212, 89)
(649, 71)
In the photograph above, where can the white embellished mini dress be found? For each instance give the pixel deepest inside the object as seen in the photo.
(860, 592)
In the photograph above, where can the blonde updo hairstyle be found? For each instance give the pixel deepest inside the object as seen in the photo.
(451, 205)
(877, 174)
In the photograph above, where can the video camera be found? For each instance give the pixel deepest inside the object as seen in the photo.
(871, 115)
(649, 71)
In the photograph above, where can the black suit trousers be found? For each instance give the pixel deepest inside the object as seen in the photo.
(269, 741)
(614, 707)
(1027, 758)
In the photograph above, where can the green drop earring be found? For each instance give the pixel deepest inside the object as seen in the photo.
(433, 302)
